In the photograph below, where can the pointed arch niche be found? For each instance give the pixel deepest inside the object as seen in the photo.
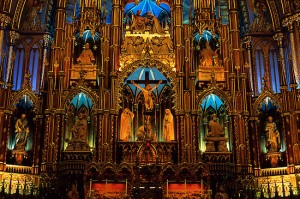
(210, 105)
(23, 132)
(132, 98)
(271, 157)
(80, 103)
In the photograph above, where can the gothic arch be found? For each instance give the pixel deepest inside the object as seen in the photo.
(80, 89)
(221, 94)
(91, 166)
(130, 68)
(262, 96)
(274, 15)
(18, 14)
(124, 166)
(203, 166)
(25, 91)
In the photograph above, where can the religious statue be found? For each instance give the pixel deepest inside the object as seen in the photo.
(125, 127)
(216, 130)
(154, 23)
(207, 56)
(215, 139)
(22, 133)
(260, 23)
(166, 45)
(34, 22)
(138, 22)
(73, 193)
(168, 124)
(127, 46)
(156, 45)
(221, 194)
(80, 129)
(86, 56)
(273, 136)
(147, 92)
(138, 44)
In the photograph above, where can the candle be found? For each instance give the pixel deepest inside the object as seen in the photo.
(185, 187)
(106, 187)
(202, 188)
(126, 188)
(167, 188)
(90, 187)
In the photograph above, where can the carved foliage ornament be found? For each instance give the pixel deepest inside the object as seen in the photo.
(4, 20)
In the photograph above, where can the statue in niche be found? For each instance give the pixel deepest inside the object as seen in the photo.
(73, 193)
(125, 127)
(216, 136)
(86, 57)
(80, 129)
(168, 125)
(22, 133)
(147, 92)
(146, 132)
(138, 22)
(34, 22)
(272, 135)
(207, 56)
(260, 23)
(154, 23)
(216, 130)
(221, 194)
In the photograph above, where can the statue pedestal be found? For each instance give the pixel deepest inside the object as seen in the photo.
(216, 144)
(19, 155)
(204, 73)
(273, 158)
(78, 146)
(91, 72)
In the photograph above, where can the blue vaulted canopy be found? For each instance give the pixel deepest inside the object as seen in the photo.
(161, 11)
(206, 34)
(80, 100)
(211, 101)
(88, 36)
(268, 105)
(141, 74)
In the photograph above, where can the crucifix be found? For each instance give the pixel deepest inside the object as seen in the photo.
(147, 91)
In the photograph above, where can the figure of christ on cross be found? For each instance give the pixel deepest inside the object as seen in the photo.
(147, 91)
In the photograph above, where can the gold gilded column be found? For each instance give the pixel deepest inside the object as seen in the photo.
(235, 47)
(178, 33)
(116, 34)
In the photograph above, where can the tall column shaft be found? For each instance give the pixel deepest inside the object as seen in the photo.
(14, 36)
(178, 33)
(4, 21)
(294, 52)
(116, 34)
